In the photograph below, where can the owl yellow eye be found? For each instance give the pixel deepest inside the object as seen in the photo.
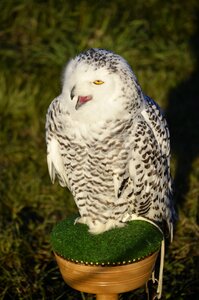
(98, 82)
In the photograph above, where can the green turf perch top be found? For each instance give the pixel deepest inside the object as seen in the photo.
(133, 242)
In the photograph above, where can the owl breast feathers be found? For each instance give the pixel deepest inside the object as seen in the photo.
(109, 144)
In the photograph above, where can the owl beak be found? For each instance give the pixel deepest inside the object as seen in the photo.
(82, 100)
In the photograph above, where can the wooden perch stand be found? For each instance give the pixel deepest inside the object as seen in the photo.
(107, 264)
(106, 282)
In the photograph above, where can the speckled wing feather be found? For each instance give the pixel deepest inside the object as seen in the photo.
(55, 142)
(147, 181)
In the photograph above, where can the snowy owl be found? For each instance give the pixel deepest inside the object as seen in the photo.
(109, 144)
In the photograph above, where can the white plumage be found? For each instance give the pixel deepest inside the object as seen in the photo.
(109, 144)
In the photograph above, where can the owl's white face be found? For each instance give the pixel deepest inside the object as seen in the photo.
(98, 85)
(89, 92)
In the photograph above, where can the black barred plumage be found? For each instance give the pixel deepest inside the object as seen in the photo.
(109, 144)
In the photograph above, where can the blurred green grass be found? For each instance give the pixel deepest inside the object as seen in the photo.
(160, 41)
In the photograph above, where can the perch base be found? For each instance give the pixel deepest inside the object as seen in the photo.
(107, 297)
(107, 281)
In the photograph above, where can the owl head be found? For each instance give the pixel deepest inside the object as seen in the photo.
(99, 83)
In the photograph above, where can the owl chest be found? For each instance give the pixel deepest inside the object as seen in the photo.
(93, 163)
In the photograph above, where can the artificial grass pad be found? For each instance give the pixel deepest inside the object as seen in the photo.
(127, 244)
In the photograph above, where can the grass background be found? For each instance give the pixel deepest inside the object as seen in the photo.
(160, 41)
